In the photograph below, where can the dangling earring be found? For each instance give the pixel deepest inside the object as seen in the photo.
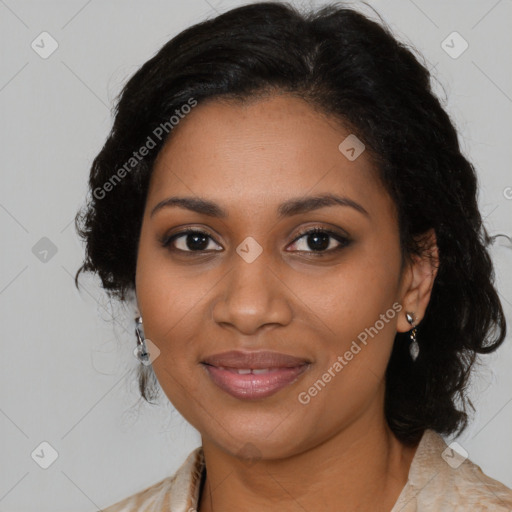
(141, 351)
(414, 348)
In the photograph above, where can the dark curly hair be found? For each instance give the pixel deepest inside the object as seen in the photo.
(352, 69)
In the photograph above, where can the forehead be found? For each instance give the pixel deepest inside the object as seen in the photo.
(268, 149)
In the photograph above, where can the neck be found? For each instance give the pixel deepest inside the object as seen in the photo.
(362, 467)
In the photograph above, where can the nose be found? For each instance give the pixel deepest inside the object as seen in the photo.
(252, 297)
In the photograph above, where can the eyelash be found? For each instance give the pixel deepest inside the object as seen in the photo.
(342, 240)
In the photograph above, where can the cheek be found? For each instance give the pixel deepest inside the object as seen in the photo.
(170, 307)
(353, 351)
(172, 313)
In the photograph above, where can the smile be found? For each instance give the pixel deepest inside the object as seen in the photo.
(254, 375)
(253, 383)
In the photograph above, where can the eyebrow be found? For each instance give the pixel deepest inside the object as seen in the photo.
(289, 208)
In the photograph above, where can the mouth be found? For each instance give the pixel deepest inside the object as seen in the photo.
(254, 375)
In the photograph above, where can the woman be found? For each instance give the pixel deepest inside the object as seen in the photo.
(288, 201)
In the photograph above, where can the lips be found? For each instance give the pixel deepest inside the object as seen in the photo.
(254, 375)
(267, 359)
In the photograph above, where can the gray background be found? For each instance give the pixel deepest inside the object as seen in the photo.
(67, 368)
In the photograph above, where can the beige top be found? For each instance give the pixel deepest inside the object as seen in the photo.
(439, 481)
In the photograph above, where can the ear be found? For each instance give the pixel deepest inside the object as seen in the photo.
(417, 281)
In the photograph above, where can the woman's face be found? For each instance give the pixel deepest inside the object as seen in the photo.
(251, 281)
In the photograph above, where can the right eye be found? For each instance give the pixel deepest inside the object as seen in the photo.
(190, 241)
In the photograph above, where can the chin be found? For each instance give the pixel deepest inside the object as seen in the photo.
(258, 435)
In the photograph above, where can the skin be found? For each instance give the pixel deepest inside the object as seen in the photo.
(277, 454)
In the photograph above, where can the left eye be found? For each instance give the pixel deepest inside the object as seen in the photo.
(190, 241)
(320, 240)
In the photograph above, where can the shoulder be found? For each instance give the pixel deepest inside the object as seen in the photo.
(174, 493)
(443, 480)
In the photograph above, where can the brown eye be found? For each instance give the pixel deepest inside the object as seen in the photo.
(318, 240)
(192, 240)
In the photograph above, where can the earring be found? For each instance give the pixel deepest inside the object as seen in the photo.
(141, 351)
(414, 348)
